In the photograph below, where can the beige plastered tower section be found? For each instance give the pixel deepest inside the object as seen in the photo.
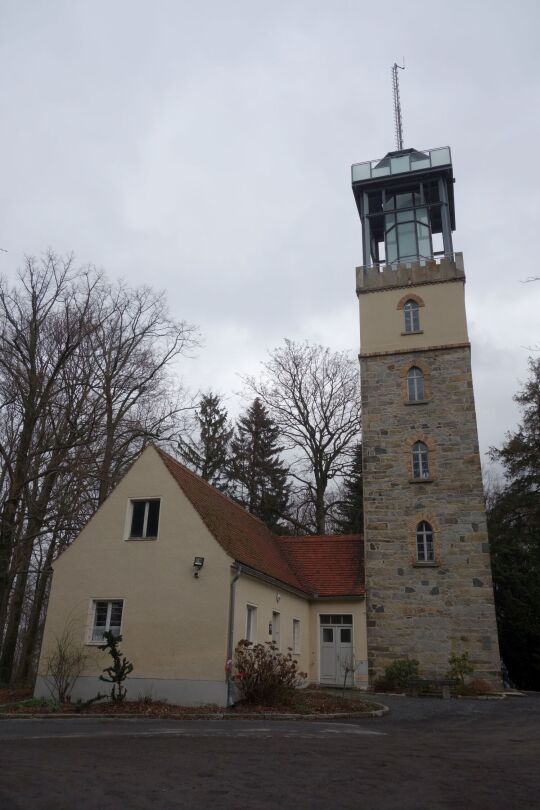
(423, 610)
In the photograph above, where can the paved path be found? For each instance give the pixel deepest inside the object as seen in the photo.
(426, 753)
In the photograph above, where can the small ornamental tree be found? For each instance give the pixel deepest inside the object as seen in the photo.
(460, 666)
(64, 664)
(119, 669)
(264, 675)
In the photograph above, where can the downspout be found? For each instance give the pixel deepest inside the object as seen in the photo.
(230, 635)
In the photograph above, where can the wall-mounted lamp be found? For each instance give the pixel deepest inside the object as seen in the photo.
(198, 563)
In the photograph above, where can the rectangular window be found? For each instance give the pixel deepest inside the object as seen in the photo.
(275, 628)
(106, 616)
(251, 623)
(345, 618)
(296, 635)
(144, 519)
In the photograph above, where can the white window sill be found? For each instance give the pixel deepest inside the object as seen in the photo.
(414, 332)
(140, 539)
(421, 480)
(428, 564)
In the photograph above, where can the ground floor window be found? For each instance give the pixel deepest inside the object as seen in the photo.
(106, 616)
(296, 635)
(251, 623)
(276, 628)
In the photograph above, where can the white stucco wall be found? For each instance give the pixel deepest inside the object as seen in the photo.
(174, 626)
(267, 598)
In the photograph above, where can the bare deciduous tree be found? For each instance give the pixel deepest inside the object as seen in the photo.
(312, 394)
(63, 665)
(86, 380)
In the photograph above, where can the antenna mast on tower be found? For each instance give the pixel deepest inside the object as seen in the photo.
(397, 105)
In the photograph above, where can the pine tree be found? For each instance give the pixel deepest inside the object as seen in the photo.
(258, 476)
(209, 454)
(514, 530)
(350, 513)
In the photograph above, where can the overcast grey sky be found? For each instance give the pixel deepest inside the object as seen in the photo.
(205, 148)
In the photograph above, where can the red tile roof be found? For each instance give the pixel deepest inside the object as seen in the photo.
(329, 566)
(246, 538)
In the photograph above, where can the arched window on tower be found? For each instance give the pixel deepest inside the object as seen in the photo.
(424, 542)
(415, 384)
(412, 316)
(420, 460)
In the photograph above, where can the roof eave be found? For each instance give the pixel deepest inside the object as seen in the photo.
(278, 583)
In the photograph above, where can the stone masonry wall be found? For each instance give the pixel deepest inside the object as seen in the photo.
(417, 610)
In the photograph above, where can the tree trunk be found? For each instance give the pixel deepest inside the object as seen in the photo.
(28, 648)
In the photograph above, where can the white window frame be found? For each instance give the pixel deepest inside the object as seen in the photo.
(415, 384)
(276, 628)
(129, 518)
(411, 313)
(425, 548)
(296, 636)
(92, 617)
(420, 460)
(251, 623)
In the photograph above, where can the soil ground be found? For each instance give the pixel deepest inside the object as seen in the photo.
(303, 701)
(427, 753)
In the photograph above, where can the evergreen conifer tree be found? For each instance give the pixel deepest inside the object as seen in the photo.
(350, 512)
(258, 477)
(209, 454)
(514, 529)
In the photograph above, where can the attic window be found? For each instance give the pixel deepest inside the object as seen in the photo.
(144, 519)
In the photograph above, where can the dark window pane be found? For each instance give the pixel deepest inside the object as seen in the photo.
(153, 519)
(345, 635)
(101, 614)
(325, 619)
(328, 634)
(116, 614)
(347, 618)
(137, 518)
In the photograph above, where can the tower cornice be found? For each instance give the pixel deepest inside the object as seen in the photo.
(390, 277)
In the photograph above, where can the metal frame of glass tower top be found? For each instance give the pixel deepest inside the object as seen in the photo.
(403, 201)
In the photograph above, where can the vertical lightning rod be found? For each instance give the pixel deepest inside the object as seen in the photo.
(398, 123)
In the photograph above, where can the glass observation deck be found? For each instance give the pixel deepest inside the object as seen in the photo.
(401, 164)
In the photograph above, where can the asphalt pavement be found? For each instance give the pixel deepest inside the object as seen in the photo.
(427, 753)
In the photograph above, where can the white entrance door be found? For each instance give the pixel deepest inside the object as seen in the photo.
(336, 647)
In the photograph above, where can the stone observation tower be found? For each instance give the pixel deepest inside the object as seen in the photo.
(428, 571)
